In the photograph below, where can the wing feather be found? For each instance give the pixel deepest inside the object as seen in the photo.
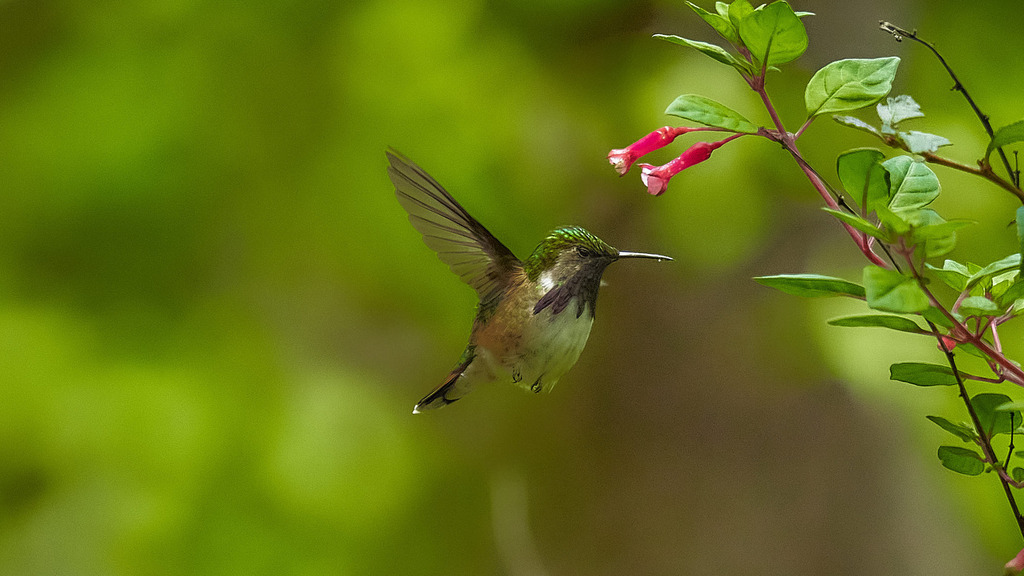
(461, 242)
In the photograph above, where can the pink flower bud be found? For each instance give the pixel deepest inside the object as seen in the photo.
(948, 342)
(623, 158)
(656, 177)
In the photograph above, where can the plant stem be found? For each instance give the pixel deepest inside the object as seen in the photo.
(1011, 371)
(984, 170)
(788, 142)
(900, 33)
(986, 446)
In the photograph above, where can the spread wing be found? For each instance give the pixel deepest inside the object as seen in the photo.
(461, 242)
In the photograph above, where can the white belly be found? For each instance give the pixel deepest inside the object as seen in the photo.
(554, 344)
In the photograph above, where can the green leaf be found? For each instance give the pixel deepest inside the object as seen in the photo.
(1018, 474)
(940, 228)
(935, 316)
(890, 291)
(962, 460)
(961, 431)
(930, 230)
(921, 142)
(953, 273)
(710, 113)
(857, 123)
(897, 109)
(913, 184)
(978, 306)
(720, 22)
(722, 8)
(811, 285)
(1009, 406)
(922, 374)
(739, 10)
(880, 321)
(1020, 237)
(896, 222)
(994, 420)
(1012, 294)
(774, 34)
(1005, 136)
(861, 172)
(859, 224)
(847, 85)
(716, 52)
(998, 267)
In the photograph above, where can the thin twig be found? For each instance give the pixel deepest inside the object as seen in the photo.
(899, 34)
(986, 446)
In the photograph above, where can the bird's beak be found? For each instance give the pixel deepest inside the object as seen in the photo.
(642, 255)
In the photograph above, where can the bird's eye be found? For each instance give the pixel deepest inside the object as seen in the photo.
(584, 252)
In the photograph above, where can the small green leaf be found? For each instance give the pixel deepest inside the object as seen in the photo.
(1020, 237)
(710, 113)
(861, 172)
(890, 291)
(857, 123)
(847, 85)
(961, 431)
(922, 374)
(994, 420)
(1012, 294)
(1018, 474)
(720, 22)
(896, 222)
(1005, 136)
(774, 34)
(716, 52)
(962, 460)
(930, 230)
(953, 273)
(811, 285)
(739, 10)
(897, 109)
(913, 184)
(921, 142)
(859, 224)
(998, 267)
(978, 306)
(935, 316)
(939, 228)
(722, 8)
(880, 321)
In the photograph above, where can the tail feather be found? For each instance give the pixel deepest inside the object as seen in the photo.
(446, 393)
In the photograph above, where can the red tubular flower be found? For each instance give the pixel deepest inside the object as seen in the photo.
(623, 158)
(656, 177)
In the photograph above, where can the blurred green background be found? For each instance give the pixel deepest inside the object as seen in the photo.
(215, 318)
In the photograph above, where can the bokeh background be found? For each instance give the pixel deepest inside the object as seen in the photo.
(215, 318)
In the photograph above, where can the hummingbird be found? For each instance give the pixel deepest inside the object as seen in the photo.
(534, 315)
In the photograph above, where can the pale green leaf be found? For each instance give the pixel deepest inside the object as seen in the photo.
(890, 291)
(812, 285)
(912, 184)
(774, 34)
(898, 323)
(897, 109)
(847, 85)
(710, 113)
(861, 172)
(962, 460)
